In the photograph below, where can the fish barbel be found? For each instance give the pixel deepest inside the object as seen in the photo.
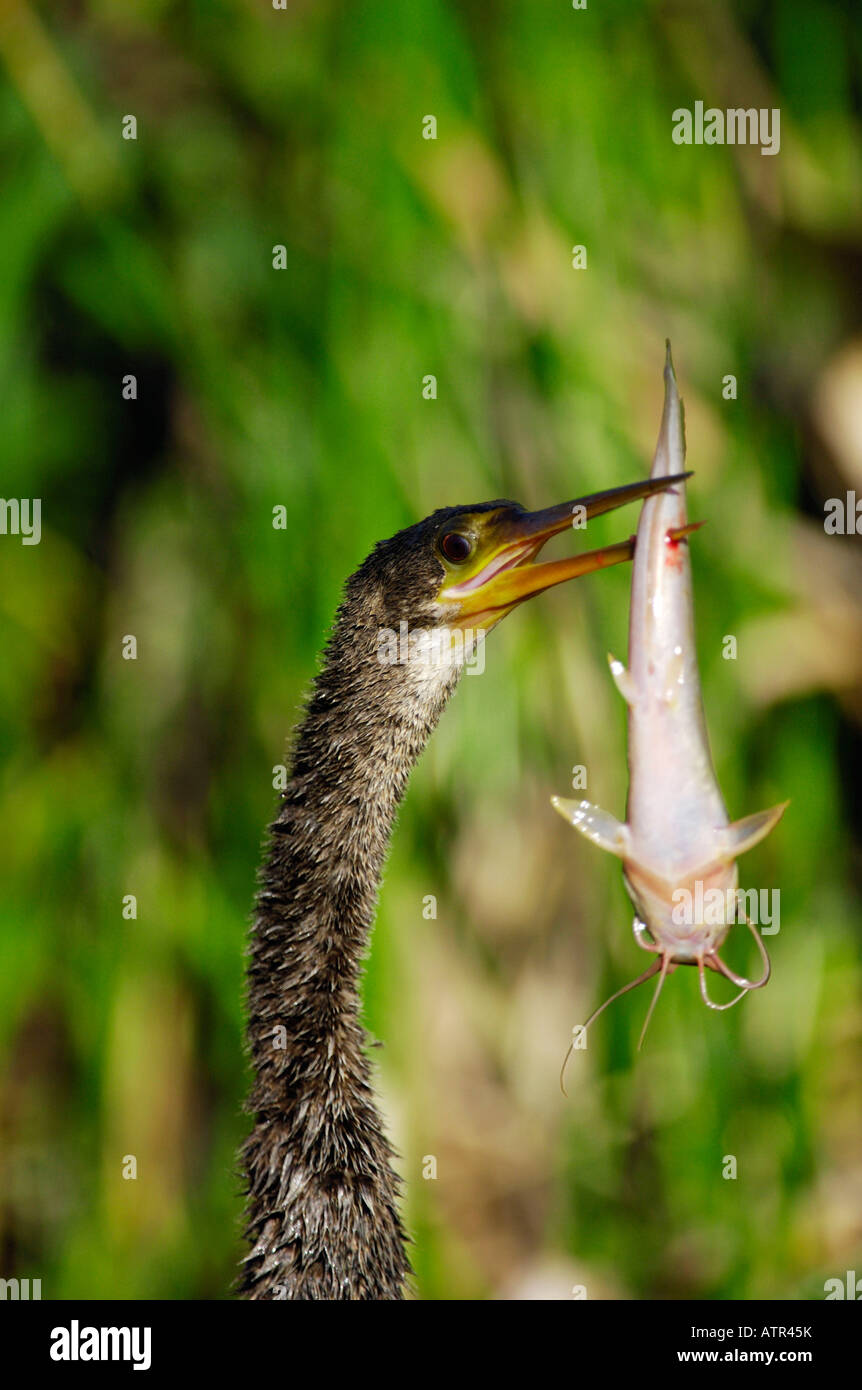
(677, 837)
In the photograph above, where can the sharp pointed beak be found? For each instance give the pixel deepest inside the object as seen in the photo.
(508, 575)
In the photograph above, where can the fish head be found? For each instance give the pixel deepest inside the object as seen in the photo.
(688, 916)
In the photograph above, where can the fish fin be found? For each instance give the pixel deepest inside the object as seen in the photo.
(623, 680)
(599, 826)
(744, 834)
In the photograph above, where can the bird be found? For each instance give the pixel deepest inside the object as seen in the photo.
(322, 1195)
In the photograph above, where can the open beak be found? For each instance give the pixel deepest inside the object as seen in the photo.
(508, 575)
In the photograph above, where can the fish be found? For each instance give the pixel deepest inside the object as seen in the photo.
(677, 845)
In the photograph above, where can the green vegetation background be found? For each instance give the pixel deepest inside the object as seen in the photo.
(303, 388)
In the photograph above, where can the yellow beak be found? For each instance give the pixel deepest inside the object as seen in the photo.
(507, 575)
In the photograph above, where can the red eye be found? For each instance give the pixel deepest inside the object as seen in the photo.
(456, 546)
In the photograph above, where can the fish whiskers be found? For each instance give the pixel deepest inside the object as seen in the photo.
(664, 966)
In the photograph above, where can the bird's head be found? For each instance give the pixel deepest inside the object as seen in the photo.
(465, 568)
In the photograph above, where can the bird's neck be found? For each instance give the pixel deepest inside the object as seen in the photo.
(322, 1193)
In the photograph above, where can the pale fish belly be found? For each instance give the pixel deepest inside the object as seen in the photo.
(674, 804)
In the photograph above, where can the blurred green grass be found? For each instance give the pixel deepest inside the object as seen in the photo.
(302, 388)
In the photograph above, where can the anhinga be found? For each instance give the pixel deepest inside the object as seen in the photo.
(323, 1218)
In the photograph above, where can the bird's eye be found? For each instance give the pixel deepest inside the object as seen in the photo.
(456, 546)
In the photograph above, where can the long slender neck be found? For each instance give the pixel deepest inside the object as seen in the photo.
(322, 1194)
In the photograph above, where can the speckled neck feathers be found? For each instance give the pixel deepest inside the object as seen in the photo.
(322, 1210)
